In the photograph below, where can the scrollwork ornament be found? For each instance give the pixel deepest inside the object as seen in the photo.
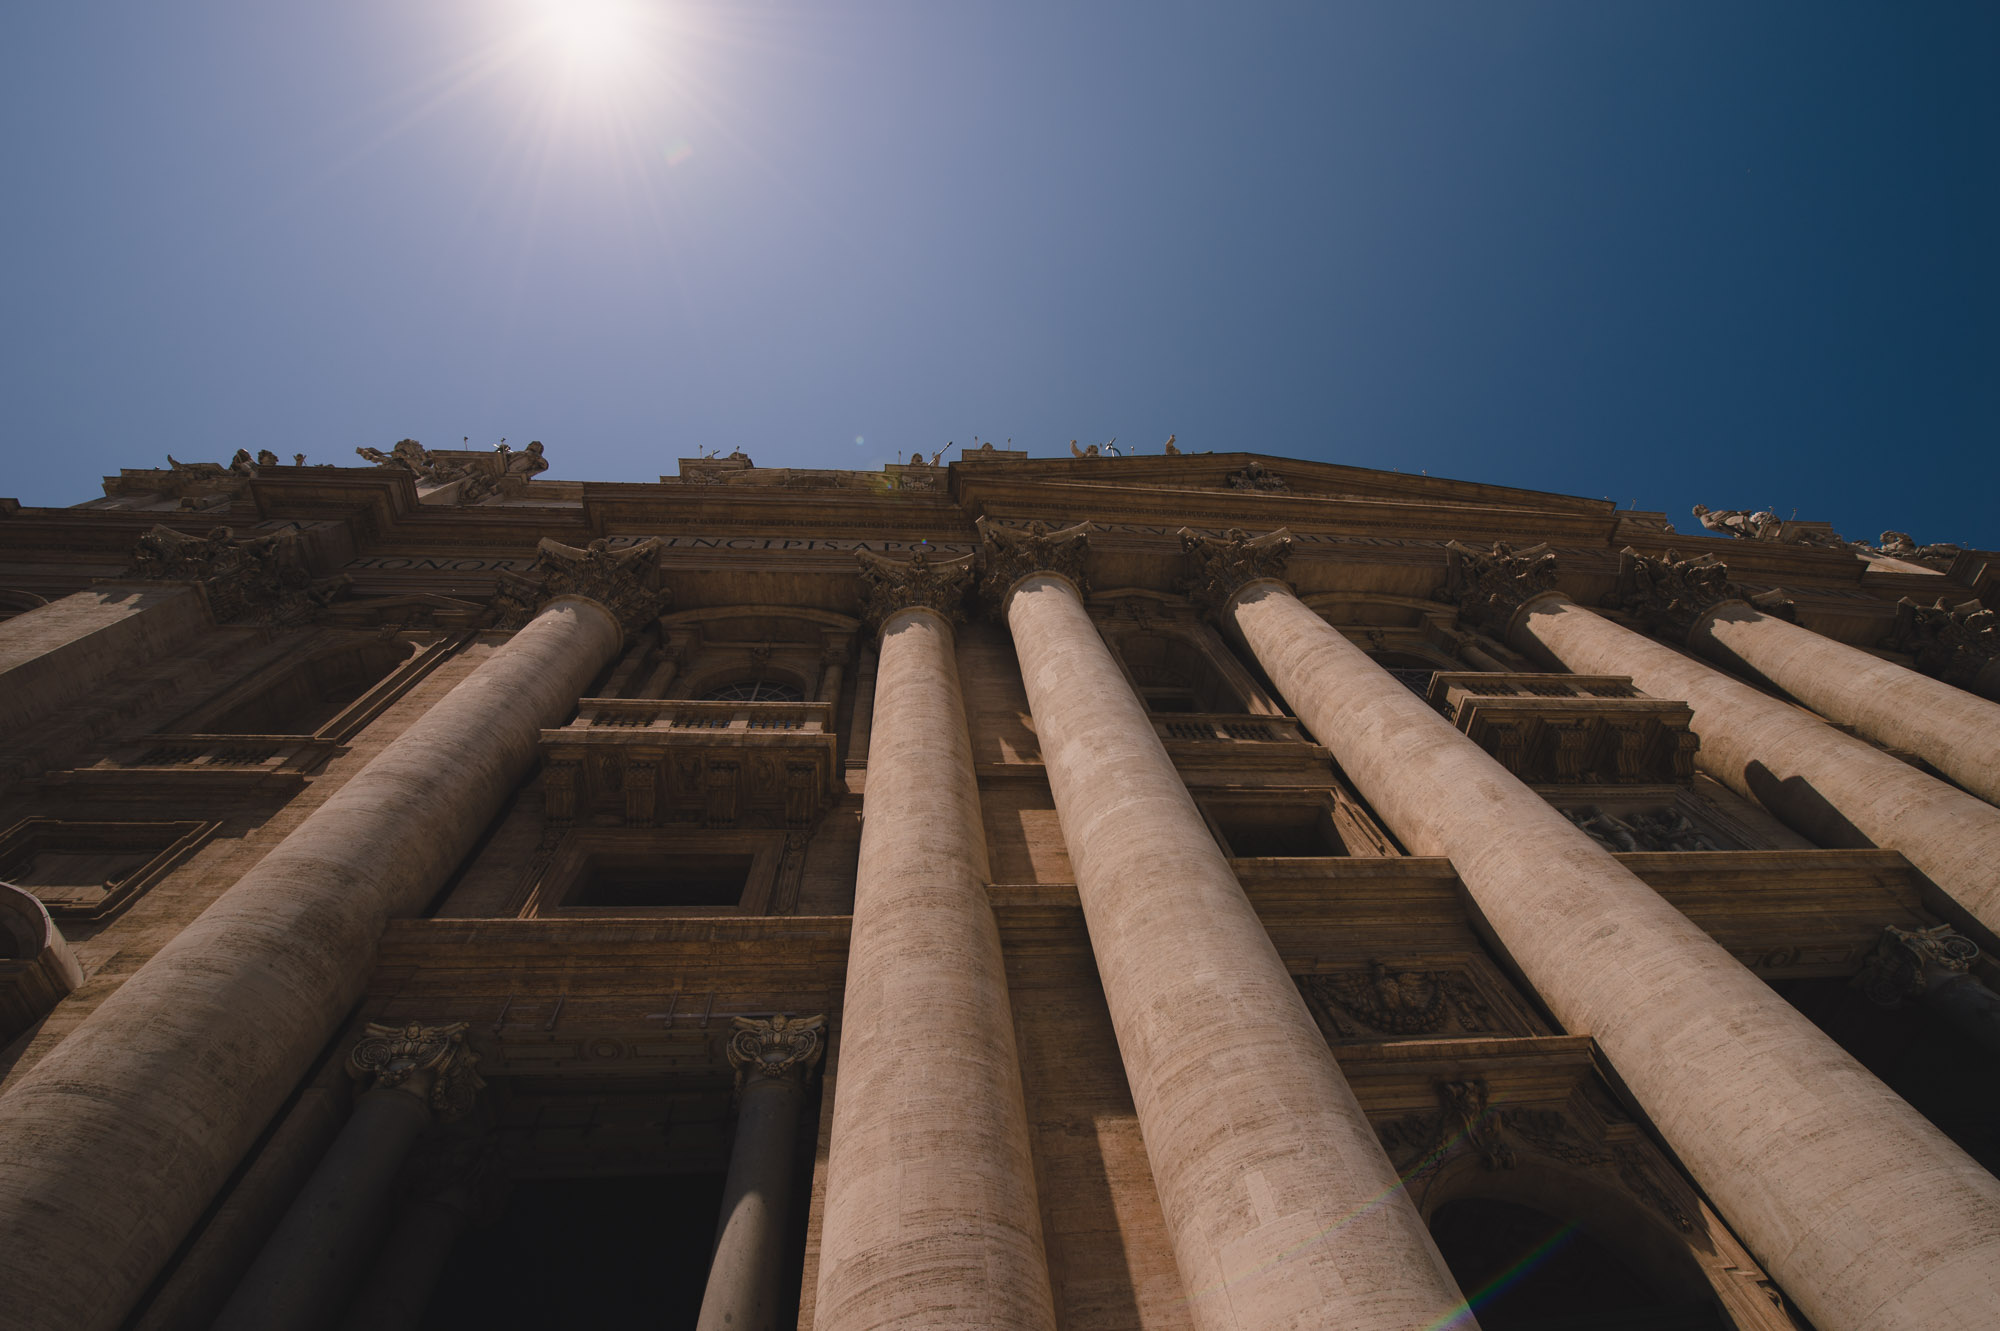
(624, 582)
(1221, 568)
(1952, 643)
(1670, 595)
(390, 1056)
(777, 1048)
(1488, 587)
(1908, 962)
(889, 585)
(263, 579)
(1008, 554)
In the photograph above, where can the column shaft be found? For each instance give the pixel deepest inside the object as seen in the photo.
(1283, 1209)
(756, 1198)
(398, 1290)
(309, 1265)
(930, 1219)
(1836, 789)
(56, 653)
(1867, 1214)
(1954, 731)
(113, 1144)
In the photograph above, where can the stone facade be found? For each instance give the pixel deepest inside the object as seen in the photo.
(1193, 891)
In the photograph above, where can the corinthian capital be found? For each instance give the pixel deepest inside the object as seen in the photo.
(1008, 554)
(1669, 595)
(1951, 643)
(890, 585)
(431, 1062)
(1222, 568)
(259, 578)
(624, 582)
(1908, 962)
(1489, 588)
(776, 1049)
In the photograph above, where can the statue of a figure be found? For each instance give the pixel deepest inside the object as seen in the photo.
(241, 463)
(1762, 525)
(525, 462)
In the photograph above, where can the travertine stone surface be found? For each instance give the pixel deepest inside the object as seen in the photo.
(930, 1214)
(1869, 1216)
(56, 653)
(1954, 731)
(1836, 789)
(111, 1145)
(1283, 1209)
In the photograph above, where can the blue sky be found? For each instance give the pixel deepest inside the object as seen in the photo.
(1735, 253)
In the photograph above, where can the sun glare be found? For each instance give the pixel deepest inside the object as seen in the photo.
(594, 37)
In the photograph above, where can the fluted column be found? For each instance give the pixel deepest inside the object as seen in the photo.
(1282, 1207)
(111, 1146)
(1867, 1215)
(307, 1268)
(1832, 787)
(930, 1218)
(774, 1060)
(1954, 731)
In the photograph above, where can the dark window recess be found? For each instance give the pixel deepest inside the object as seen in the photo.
(685, 880)
(1526, 1271)
(1158, 700)
(1279, 832)
(758, 690)
(1416, 681)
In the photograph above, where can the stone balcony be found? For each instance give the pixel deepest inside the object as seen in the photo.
(1571, 729)
(641, 762)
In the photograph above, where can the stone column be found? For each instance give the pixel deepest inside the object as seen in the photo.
(454, 1184)
(773, 1060)
(308, 1266)
(1282, 1207)
(1831, 787)
(930, 1217)
(111, 1146)
(1865, 1213)
(1949, 728)
(1934, 966)
(832, 664)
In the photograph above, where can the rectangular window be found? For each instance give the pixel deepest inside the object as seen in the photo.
(682, 880)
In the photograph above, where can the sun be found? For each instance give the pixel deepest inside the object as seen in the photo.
(591, 36)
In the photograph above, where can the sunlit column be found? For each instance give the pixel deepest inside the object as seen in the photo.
(1282, 1207)
(930, 1218)
(112, 1145)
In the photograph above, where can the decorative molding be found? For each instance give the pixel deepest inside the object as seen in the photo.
(1908, 963)
(1952, 643)
(1388, 1002)
(776, 1049)
(1224, 567)
(1488, 588)
(263, 579)
(1009, 554)
(432, 1062)
(624, 582)
(1670, 594)
(889, 585)
(1666, 829)
(1256, 476)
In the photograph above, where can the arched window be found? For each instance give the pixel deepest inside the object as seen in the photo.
(755, 690)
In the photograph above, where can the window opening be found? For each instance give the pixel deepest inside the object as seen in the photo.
(1280, 832)
(683, 880)
(759, 690)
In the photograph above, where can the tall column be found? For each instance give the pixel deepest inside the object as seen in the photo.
(1833, 788)
(455, 1183)
(930, 1218)
(773, 1060)
(1953, 730)
(1867, 1214)
(1282, 1207)
(308, 1266)
(111, 1146)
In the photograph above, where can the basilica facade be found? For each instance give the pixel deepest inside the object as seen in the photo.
(1176, 891)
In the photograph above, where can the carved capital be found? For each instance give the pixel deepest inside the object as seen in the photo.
(432, 1062)
(889, 585)
(1953, 643)
(1222, 568)
(622, 581)
(783, 1047)
(1907, 963)
(263, 579)
(1489, 588)
(1008, 554)
(1670, 594)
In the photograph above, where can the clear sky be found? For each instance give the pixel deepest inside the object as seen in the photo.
(1736, 253)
